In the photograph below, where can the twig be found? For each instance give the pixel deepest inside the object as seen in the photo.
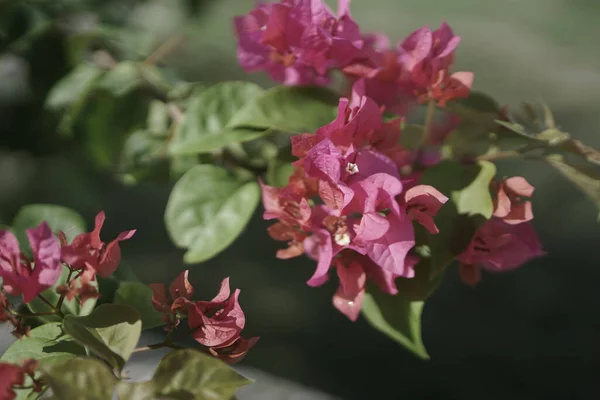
(157, 346)
(166, 48)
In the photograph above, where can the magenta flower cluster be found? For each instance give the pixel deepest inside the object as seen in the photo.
(353, 199)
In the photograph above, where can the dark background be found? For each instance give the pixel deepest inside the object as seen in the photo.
(529, 334)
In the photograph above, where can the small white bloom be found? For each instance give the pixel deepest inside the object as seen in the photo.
(343, 239)
(351, 168)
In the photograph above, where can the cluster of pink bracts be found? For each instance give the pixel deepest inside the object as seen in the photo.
(86, 254)
(347, 205)
(299, 42)
(216, 324)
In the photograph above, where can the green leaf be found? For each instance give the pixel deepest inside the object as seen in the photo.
(158, 119)
(58, 218)
(279, 172)
(397, 317)
(46, 343)
(207, 210)
(470, 204)
(69, 307)
(187, 374)
(108, 122)
(142, 149)
(475, 199)
(111, 332)
(291, 109)
(80, 378)
(122, 79)
(139, 296)
(70, 95)
(73, 87)
(422, 285)
(204, 127)
(585, 177)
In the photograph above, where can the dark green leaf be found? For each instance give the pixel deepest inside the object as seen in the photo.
(207, 210)
(69, 307)
(397, 317)
(187, 374)
(122, 79)
(158, 119)
(290, 109)
(80, 378)
(58, 218)
(139, 296)
(73, 87)
(205, 127)
(108, 122)
(111, 332)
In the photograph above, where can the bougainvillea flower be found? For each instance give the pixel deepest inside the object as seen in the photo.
(508, 202)
(297, 41)
(218, 322)
(234, 352)
(89, 248)
(422, 203)
(498, 246)
(11, 375)
(427, 57)
(19, 275)
(180, 288)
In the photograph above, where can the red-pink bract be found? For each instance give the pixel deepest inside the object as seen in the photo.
(19, 275)
(89, 248)
(218, 322)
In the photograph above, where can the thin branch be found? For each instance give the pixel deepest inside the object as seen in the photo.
(166, 48)
(157, 346)
(45, 300)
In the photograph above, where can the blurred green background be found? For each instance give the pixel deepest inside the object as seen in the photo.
(530, 334)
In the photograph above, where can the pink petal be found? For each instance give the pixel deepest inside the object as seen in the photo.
(181, 287)
(160, 302)
(46, 255)
(390, 251)
(372, 227)
(349, 296)
(319, 247)
(519, 186)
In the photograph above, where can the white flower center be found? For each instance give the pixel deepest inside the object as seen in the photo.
(342, 239)
(351, 168)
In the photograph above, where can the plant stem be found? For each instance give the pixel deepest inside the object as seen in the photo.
(40, 314)
(500, 155)
(157, 346)
(61, 299)
(45, 300)
(166, 48)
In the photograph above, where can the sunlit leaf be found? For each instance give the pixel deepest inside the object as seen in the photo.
(205, 127)
(397, 317)
(289, 109)
(187, 374)
(207, 210)
(111, 332)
